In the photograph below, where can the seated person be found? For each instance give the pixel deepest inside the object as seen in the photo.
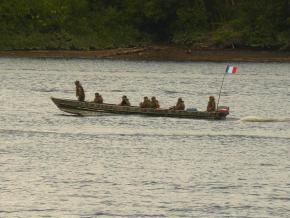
(146, 103)
(98, 98)
(154, 103)
(179, 105)
(211, 104)
(125, 101)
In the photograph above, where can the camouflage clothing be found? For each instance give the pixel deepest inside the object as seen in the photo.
(211, 104)
(154, 103)
(80, 91)
(146, 103)
(125, 101)
(179, 105)
(98, 98)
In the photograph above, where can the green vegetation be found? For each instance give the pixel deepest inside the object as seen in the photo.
(94, 24)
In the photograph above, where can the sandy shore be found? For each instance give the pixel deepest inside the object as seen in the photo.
(160, 53)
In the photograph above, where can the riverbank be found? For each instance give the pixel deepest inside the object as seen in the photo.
(160, 53)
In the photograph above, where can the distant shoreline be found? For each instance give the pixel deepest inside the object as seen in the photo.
(159, 53)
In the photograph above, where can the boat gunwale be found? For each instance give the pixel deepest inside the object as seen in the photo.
(68, 104)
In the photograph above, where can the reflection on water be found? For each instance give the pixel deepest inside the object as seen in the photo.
(57, 165)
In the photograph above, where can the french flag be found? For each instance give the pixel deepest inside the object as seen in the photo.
(231, 69)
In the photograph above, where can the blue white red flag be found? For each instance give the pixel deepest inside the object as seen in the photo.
(231, 69)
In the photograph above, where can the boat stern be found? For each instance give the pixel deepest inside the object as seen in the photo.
(223, 111)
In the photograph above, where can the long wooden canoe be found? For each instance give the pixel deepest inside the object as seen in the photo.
(88, 108)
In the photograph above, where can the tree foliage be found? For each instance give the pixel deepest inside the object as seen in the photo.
(93, 24)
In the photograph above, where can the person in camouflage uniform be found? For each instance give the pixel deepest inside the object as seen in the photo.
(125, 101)
(211, 104)
(179, 105)
(79, 91)
(98, 98)
(154, 103)
(146, 103)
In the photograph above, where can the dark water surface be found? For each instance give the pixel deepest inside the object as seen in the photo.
(58, 165)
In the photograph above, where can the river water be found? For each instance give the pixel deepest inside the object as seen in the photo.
(57, 165)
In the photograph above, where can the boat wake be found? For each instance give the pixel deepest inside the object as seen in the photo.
(143, 132)
(264, 119)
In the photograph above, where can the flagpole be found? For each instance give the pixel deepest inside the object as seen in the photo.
(229, 70)
(221, 90)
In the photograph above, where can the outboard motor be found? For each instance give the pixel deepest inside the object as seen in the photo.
(223, 109)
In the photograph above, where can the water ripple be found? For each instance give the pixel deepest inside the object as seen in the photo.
(57, 165)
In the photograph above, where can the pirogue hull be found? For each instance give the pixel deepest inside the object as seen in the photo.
(85, 108)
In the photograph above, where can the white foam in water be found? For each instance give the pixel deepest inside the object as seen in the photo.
(263, 119)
